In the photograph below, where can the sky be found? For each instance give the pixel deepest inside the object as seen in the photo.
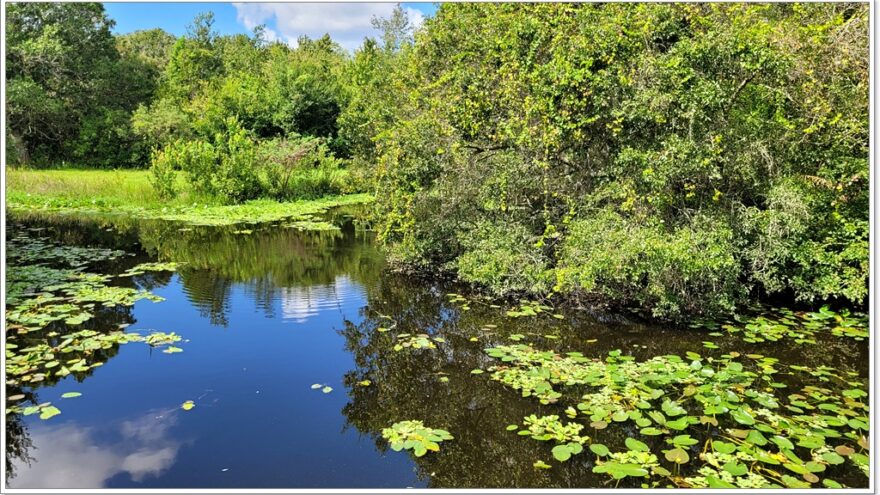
(347, 23)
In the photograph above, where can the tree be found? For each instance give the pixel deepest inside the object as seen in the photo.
(396, 30)
(59, 61)
(668, 156)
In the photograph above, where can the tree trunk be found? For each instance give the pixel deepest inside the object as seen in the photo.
(22, 157)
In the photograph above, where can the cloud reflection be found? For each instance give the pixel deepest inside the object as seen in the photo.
(72, 456)
(298, 304)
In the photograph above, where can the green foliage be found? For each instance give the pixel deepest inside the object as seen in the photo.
(302, 168)
(673, 156)
(223, 168)
(163, 177)
(503, 258)
(690, 270)
(414, 435)
(69, 89)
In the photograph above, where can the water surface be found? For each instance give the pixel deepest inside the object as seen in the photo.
(267, 311)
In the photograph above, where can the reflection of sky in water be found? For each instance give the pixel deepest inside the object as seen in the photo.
(300, 303)
(71, 456)
(257, 422)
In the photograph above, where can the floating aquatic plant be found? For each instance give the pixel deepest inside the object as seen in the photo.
(414, 435)
(150, 267)
(528, 308)
(802, 327)
(418, 341)
(676, 400)
(566, 436)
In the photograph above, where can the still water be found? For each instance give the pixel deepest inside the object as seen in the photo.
(268, 311)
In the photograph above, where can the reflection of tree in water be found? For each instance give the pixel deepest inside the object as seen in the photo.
(407, 385)
(209, 293)
(268, 261)
(18, 443)
(476, 410)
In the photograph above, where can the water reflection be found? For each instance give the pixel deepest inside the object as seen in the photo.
(436, 386)
(74, 456)
(300, 303)
(284, 434)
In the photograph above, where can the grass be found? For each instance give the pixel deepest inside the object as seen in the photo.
(129, 193)
(117, 187)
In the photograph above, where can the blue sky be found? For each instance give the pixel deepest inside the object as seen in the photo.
(348, 23)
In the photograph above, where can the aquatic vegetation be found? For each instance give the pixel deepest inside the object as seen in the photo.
(258, 211)
(324, 388)
(802, 327)
(528, 308)
(24, 249)
(38, 312)
(22, 281)
(48, 412)
(678, 401)
(39, 361)
(157, 339)
(150, 267)
(67, 296)
(414, 435)
(418, 341)
(566, 436)
(61, 355)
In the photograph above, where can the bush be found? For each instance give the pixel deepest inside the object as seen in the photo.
(301, 168)
(162, 172)
(670, 272)
(678, 123)
(504, 259)
(800, 245)
(225, 169)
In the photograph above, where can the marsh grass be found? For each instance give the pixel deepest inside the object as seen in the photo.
(129, 193)
(111, 187)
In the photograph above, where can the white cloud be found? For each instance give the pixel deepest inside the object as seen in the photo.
(347, 23)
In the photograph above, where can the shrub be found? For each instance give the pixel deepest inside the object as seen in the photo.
(162, 173)
(671, 272)
(503, 258)
(803, 243)
(301, 168)
(640, 147)
(225, 169)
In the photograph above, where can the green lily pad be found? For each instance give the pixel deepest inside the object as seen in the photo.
(49, 412)
(633, 444)
(677, 455)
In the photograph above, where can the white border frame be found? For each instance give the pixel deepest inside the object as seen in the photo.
(873, 284)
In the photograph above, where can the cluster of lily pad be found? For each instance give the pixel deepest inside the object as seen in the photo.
(528, 308)
(418, 341)
(158, 266)
(752, 436)
(61, 355)
(27, 249)
(414, 435)
(49, 297)
(802, 326)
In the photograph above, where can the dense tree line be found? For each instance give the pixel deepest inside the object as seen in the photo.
(677, 157)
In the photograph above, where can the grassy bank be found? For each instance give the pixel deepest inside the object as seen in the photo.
(129, 193)
(107, 187)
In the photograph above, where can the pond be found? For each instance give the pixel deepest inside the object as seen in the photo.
(265, 356)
